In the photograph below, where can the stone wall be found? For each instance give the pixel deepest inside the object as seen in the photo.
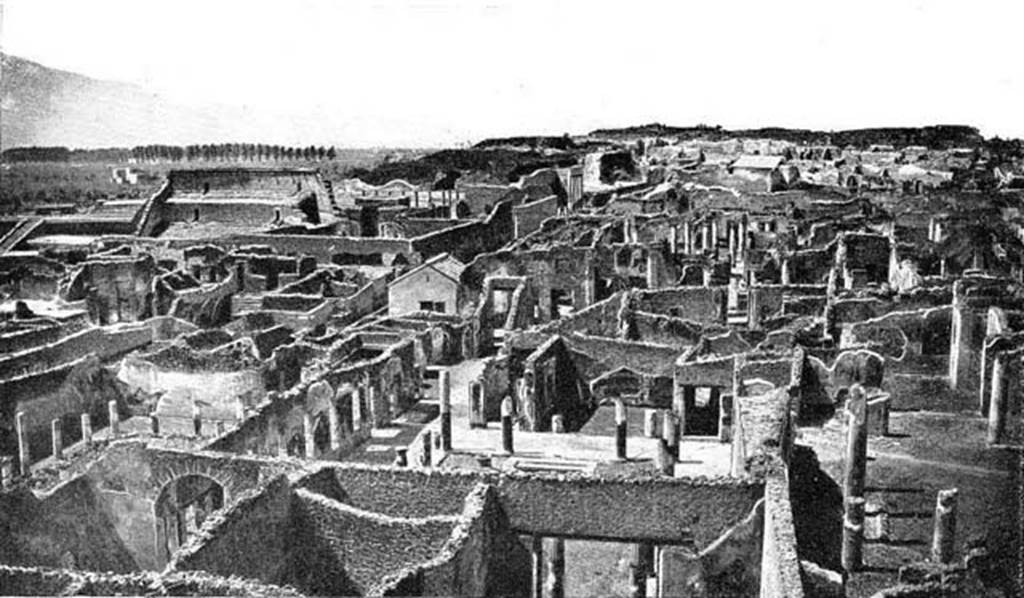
(780, 564)
(251, 539)
(363, 545)
(527, 218)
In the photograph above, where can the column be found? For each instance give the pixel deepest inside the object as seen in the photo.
(650, 423)
(620, 430)
(653, 270)
(853, 479)
(687, 239)
(706, 237)
(785, 271)
(555, 557)
(673, 240)
(642, 568)
(307, 434)
(663, 459)
(537, 566)
(6, 471)
(24, 459)
(357, 409)
(445, 400)
(335, 424)
(426, 454)
(115, 419)
(670, 434)
(506, 426)
(392, 407)
(944, 537)
(86, 429)
(57, 436)
(997, 399)
(558, 423)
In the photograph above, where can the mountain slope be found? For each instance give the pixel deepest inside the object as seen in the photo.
(44, 106)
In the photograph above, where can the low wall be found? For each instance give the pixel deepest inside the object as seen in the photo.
(780, 564)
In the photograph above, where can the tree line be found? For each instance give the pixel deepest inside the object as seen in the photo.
(228, 152)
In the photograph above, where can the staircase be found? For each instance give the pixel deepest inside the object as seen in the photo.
(21, 231)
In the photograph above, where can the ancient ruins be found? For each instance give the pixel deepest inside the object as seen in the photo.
(746, 365)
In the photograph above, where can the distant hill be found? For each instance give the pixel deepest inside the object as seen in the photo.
(41, 106)
(938, 137)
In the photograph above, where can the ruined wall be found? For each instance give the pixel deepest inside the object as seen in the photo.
(365, 545)
(527, 218)
(103, 342)
(395, 492)
(660, 510)
(780, 564)
(64, 393)
(66, 527)
(704, 305)
(251, 539)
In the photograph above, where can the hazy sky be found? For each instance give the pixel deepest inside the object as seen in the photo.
(430, 72)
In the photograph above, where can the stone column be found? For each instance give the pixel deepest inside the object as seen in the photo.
(642, 568)
(86, 429)
(445, 401)
(307, 435)
(944, 537)
(6, 471)
(705, 239)
(357, 409)
(620, 430)
(670, 434)
(57, 437)
(115, 419)
(997, 399)
(687, 239)
(537, 566)
(371, 405)
(714, 236)
(555, 557)
(477, 416)
(335, 426)
(785, 271)
(650, 423)
(392, 407)
(653, 269)
(853, 479)
(753, 309)
(24, 458)
(663, 459)
(707, 272)
(506, 426)
(558, 423)
(426, 454)
(673, 240)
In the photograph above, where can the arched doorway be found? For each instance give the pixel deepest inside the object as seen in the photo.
(181, 508)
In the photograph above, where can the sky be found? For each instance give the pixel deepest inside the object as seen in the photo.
(446, 72)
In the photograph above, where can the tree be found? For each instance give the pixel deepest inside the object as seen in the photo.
(331, 153)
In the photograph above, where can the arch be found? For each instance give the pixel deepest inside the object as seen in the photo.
(181, 507)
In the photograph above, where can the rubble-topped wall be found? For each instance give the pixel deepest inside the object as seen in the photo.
(703, 305)
(103, 342)
(394, 492)
(343, 550)
(481, 558)
(67, 528)
(251, 539)
(780, 563)
(43, 581)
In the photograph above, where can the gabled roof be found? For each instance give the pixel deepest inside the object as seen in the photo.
(758, 162)
(442, 263)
